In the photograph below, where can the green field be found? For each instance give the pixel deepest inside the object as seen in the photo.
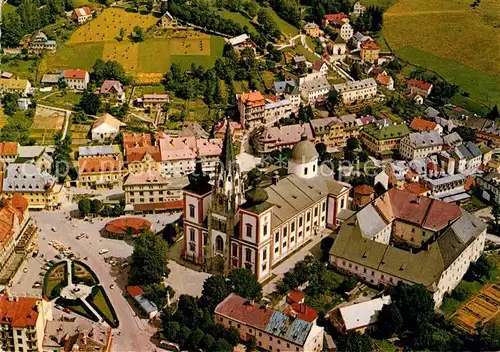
(285, 27)
(451, 38)
(238, 18)
(21, 68)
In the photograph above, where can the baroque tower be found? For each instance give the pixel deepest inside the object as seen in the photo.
(227, 195)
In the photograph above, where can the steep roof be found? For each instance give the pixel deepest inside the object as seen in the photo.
(419, 84)
(75, 74)
(370, 45)
(8, 148)
(100, 164)
(419, 124)
(108, 85)
(363, 314)
(136, 140)
(387, 132)
(109, 120)
(253, 99)
(424, 139)
(83, 11)
(9, 211)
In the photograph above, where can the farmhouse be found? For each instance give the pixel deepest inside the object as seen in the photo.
(112, 91)
(357, 91)
(419, 87)
(15, 85)
(407, 238)
(82, 14)
(105, 127)
(154, 101)
(242, 42)
(76, 79)
(167, 21)
(271, 329)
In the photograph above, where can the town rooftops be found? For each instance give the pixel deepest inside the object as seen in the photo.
(239, 39)
(100, 164)
(355, 85)
(267, 319)
(136, 140)
(253, 99)
(128, 226)
(26, 177)
(315, 83)
(370, 45)
(419, 84)
(452, 139)
(287, 86)
(109, 120)
(301, 311)
(9, 211)
(416, 188)
(425, 139)
(137, 154)
(179, 148)
(96, 150)
(8, 148)
(78, 335)
(75, 74)
(362, 314)
(146, 177)
(467, 151)
(109, 85)
(222, 125)
(457, 228)
(286, 135)
(83, 11)
(387, 132)
(18, 312)
(383, 79)
(419, 124)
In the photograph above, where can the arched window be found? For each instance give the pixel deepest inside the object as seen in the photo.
(220, 183)
(219, 244)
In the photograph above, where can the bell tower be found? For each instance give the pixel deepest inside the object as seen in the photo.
(226, 198)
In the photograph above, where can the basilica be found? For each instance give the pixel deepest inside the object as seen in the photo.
(230, 224)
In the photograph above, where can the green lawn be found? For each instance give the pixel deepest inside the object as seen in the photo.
(22, 68)
(450, 305)
(470, 104)
(101, 303)
(300, 50)
(238, 18)
(481, 86)
(383, 3)
(82, 56)
(286, 28)
(63, 101)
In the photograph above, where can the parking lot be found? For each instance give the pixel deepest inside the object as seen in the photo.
(134, 334)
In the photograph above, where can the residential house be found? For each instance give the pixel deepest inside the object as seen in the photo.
(313, 87)
(39, 44)
(358, 9)
(420, 144)
(489, 184)
(358, 38)
(37, 186)
(487, 131)
(341, 22)
(467, 156)
(312, 29)
(82, 14)
(369, 51)
(353, 92)
(418, 124)
(321, 67)
(300, 204)
(237, 131)
(385, 80)
(78, 335)
(297, 309)
(23, 103)
(271, 329)
(382, 140)
(255, 110)
(23, 321)
(242, 42)
(288, 90)
(438, 243)
(76, 79)
(154, 101)
(18, 236)
(132, 140)
(167, 21)
(112, 92)
(452, 140)
(352, 125)
(330, 131)
(40, 156)
(419, 87)
(358, 317)
(487, 155)
(15, 85)
(279, 137)
(179, 155)
(144, 158)
(105, 127)
(101, 171)
(150, 192)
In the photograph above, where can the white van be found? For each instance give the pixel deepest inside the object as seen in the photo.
(103, 251)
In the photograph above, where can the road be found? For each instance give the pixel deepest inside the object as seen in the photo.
(133, 334)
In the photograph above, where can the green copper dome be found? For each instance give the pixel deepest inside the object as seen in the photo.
(256, 195)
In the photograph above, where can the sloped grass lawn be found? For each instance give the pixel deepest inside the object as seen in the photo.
(101, 303)
(55, 279)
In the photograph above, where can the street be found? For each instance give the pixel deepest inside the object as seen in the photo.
(133, 334)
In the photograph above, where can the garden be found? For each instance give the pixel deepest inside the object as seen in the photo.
(55, 279)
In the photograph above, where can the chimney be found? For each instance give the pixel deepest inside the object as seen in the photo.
(417, 200)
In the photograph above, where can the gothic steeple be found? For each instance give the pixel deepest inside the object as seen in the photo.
(227, 156)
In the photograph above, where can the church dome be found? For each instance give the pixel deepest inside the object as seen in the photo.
(304, 151)
(256, 195)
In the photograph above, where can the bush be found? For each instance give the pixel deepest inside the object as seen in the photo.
(461, 292)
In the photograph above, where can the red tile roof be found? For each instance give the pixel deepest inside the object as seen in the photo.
(9, 211)
(8, 148)
(334, 17)
(383, 79)
(364, 190)
(253, 99)
(18, 312)
(172, 205)
(419, 124)
(125, 226)
(370, 45)
(135, 291)
(78, 74)
(83, 11)
(301, 311)
(416, 188)
(136, 140)
(240, 309)
(419, 84)
(101, 164)
(137, 153)
(295, 296)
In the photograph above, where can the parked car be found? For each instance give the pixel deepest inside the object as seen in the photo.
(103, 251)
(36, 285)
(25, 270)
(35, 253)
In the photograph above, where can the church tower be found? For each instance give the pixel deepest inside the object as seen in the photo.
(227, 196)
